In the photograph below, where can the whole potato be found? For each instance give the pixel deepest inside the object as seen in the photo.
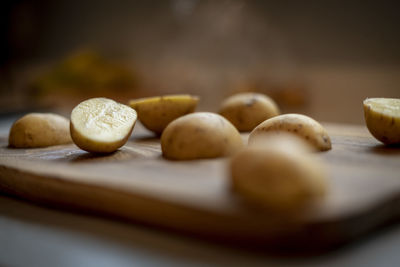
(282, 140)
(200, 135)
(382, 116)
(156, 112)
(101, 125)
(277, 176)
(39, 130)
(246, 110)
(298, 124)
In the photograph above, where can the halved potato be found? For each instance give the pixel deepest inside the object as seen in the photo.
(382, 116)
(155, 113)
(101, 125)
(302, 125)
(198, 136)
(246, 110)
(279, 173)
(39, 130)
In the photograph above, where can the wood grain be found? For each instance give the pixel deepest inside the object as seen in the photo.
(195, 197)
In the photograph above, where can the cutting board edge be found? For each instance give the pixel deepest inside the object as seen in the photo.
(324, 235)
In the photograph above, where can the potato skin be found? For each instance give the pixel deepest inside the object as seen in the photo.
(383, 127)
(282, 140)
(301, 125)
(155, 113)
(39, 130)
(246, 110)
(200, 135)
(277, 177)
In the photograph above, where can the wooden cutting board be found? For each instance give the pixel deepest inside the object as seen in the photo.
(195, 197)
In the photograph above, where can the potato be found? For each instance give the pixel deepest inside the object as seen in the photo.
(39, 130)
(282, 140)
(155, 113)
(382, 116)
(198, 136)
(301, 125)
(101, 125)
(246, 110)
(277, 176)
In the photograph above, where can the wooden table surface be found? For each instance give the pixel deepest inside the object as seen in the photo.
(75, 239)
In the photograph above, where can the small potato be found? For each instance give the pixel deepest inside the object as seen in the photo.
(282, 140)
(382, 116)
(277, 176)
(101, 125)
(39, 130)
(200, 135)
(155, 113)
(301, 125)
(246, 110)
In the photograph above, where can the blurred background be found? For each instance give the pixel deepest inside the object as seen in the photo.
(320, 58)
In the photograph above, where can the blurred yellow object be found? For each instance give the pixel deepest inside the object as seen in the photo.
(85, 71)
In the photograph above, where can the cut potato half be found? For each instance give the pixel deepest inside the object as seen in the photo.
(101, 125)
(155, 113)
(382, 116)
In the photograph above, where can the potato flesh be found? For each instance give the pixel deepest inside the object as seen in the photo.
(387, 106)
(298, 124)
(382, 116)
(100, 122)
(156, 99)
